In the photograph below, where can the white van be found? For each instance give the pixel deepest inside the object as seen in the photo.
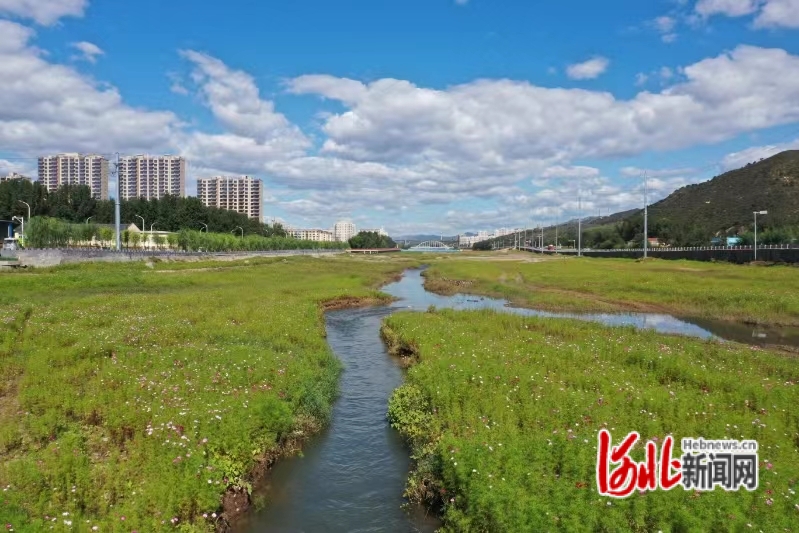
(10, 243)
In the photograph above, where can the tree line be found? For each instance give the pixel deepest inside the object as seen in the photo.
(74, 203)
(46, 232)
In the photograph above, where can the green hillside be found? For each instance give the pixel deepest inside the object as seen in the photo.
(728, 200)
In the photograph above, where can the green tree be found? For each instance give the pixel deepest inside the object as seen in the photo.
(371, 239)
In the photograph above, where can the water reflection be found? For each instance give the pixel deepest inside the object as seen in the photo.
(352, 476)
(413, 295)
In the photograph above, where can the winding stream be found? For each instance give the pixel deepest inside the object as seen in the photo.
(351, 476)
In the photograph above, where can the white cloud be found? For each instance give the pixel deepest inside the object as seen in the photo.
(47, 107)
(500, 125)
(641, 79)
(89, 51)
(45, 12)
(776, 13)
(665, 26)
(635, 172)
(588, 70)
(740, 159)
(730, 8)
(770, 13)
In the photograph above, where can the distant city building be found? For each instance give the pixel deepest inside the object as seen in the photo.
(243, 195)
(344, 231)
(468, 242)
(14, 176)
(318, 235)
(152, 177)
(380, 231)
(75, 169)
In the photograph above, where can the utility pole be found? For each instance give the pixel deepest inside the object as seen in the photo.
(755, 246)
(579, 222)
(116, 209)
(646, 215)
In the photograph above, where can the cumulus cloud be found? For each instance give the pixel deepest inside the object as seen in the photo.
(47, 107)
(776, 13)
(756, 153)
(89, 51)
(588, 70)
(503, 124)
(45, 12)
(770, 13)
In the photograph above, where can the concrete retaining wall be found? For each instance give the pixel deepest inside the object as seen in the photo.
(55, 257)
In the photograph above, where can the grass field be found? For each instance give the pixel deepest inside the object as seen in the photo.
(502, 413)
(767, 295)
(132, 398)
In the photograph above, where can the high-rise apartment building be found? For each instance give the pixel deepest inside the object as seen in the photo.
(344, 231)
(151, 177)
(75, 169)
(244, 195)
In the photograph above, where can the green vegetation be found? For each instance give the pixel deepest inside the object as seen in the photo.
(371, 239)
(74, 203)
(502, 413)
(221, 242)
(688, 288)
(44, 232)
(132, 398)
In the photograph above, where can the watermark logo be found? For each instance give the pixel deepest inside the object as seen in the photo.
(704, 465)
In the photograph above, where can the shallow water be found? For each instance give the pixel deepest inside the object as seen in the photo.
(352, 475)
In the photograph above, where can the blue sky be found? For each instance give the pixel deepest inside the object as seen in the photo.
(432, 116)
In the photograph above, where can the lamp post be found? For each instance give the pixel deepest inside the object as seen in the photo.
(29, 218)
(572, 241)
(143, 225)
(242, 230)
(206, 226)
(757, 213)
(556, 234)
(152, 241)
(21, 219)
(580, 222)
(646, 215)
(29, 209)
(88, 219)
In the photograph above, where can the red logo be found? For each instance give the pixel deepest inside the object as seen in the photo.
(630, 475)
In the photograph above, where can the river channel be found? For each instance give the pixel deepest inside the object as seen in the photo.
(351, 476)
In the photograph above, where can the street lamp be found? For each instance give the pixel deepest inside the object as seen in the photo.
(580, 222)
(152, 241)
(29, 209)
(242, 231)
(206, 226)
(29, 218)
(572, 241)
(646, 214)
(88, 219)
(757, 213)
(143, 225)
(21, 219)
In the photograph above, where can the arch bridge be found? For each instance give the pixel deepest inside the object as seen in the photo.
(432, 246)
